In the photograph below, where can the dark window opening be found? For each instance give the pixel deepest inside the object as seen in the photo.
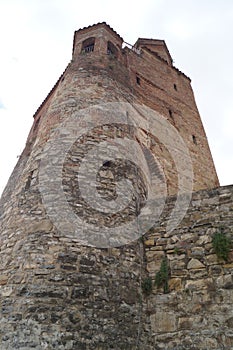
(112, 50)
(194, 139)
(175, 87)
(138, 80)
(88, 45)
(170, 114)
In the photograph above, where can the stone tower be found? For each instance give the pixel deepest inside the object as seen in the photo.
(68, 287)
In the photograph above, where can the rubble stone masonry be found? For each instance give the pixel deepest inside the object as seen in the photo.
(58, 293)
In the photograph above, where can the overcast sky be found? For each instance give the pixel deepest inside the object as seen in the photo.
(36, 44)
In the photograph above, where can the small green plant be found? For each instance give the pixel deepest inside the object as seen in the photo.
(141, 239)
(147, 285)
(177, 250)
(162, 276)
(222, 245)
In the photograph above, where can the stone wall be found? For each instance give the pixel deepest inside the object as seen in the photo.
(64, 296)
(57, 293)
(196, 313)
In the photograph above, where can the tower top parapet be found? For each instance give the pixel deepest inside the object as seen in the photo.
(97, 29)
(156, 46)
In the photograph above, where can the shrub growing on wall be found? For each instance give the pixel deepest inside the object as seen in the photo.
(222, 245)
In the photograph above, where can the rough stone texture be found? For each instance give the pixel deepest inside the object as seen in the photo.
(59, 294)
(197, 311)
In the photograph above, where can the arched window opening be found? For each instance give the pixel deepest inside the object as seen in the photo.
(112, 50)
(88, 45)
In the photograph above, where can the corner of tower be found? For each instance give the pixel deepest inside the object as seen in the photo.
(99, 37)
(155, 46)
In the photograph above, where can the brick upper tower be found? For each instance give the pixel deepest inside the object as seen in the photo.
(102, 71)
(57, 293)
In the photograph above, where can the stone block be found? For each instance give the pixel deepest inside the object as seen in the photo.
(175, 284)
(198, 284)
(6, 291)
(149, 242)
(198, 273)
(40, 226)
(163, 322)
(212, 259)
(185, 323)
(154, 265)
(3, 279)
(195, 264)
(225, 281)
